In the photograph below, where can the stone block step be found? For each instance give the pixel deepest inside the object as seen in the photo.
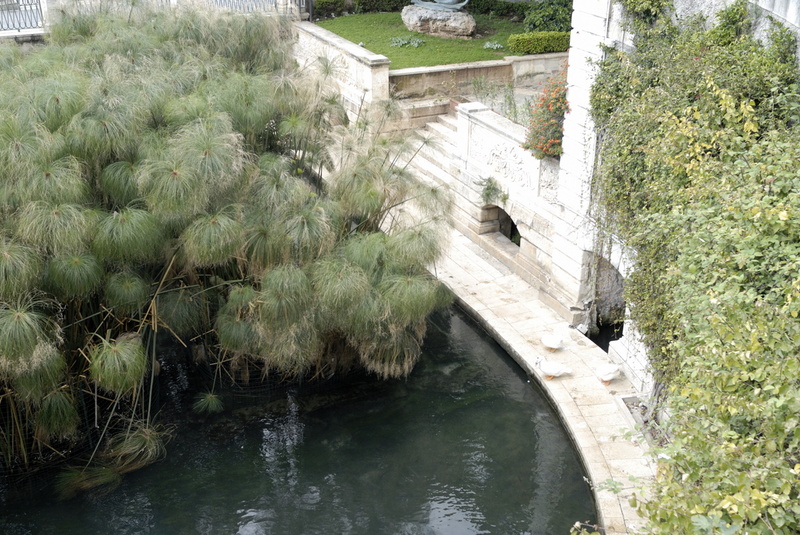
(439, 146)
(448, 120)
(439, 155)
(430, 171)
(442, 132)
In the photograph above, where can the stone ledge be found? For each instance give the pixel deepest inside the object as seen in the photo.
(594, 415)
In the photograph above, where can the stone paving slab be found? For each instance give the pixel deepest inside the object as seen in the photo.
(594, 414)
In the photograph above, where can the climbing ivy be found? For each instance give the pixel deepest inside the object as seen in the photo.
(644, 10)
(697, 174)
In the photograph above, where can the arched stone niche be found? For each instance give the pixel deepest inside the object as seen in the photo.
(496, 219)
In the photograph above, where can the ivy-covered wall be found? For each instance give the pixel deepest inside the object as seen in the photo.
(696, 172)
(598, 24)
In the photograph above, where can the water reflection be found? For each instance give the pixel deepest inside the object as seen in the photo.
(464, 446)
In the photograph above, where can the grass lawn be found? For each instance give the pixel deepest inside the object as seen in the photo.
(376, 30)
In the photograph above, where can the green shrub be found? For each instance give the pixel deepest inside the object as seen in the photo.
(326, 8)
(549, 16)
(499, 8)
(379, 6)
(644, 10)
(538, 42)
(732, 22)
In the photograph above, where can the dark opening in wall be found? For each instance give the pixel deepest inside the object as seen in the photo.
(607, 313)
(508, 228)
(605, 334)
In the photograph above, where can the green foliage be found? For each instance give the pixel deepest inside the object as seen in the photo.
(733, 22)
(118, 181)
(412, 41)
(23, 327)
(498, 8)
(538, 42)
(547, 118)
(164, 180)
(19, 269)
(74, 276)
(212, 240)
(140, 445)
(376, 6)
(118, 365)
(42, 375)
(645, 10)
(326, 8)
(549, 16)
(697, 175)
(57, 181)
(55, 228)
(57, 417)
(491, 192)
(128, 235)
(126, 292)
(208, 403)
(182, 310)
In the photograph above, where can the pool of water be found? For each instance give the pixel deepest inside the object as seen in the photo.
(465, 445)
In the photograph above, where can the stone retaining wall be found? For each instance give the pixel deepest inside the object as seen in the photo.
(453, 79)
(362, 77)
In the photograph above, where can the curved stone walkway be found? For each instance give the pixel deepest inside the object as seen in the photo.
(594, 414)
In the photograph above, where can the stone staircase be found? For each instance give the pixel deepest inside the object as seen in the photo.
(434, 162)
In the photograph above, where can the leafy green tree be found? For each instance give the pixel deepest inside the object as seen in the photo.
(166, 179)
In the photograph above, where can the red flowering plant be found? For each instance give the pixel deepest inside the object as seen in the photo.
(547, 118)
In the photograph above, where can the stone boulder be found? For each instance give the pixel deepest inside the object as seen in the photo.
(439, 23)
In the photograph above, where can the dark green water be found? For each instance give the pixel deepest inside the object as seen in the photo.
(465, 445)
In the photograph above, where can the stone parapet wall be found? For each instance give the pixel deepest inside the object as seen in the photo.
(362, 77)
(548, 257)
(449, 80)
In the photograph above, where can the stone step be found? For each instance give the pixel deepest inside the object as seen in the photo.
(448, 120)
(439, 148)
(418, 112)
(430, 171)
(442, 132)
(432, 158)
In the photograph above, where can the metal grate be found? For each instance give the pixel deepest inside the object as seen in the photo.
(248, 6)
(245, 6)
(17, 15)
(26, 16)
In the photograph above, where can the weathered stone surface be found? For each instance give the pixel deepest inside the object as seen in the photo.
(438, 23)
